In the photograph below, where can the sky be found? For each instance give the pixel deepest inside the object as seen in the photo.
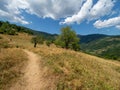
(84, 16)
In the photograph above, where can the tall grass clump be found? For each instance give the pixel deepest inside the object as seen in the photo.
(11, 62)
(0, 37)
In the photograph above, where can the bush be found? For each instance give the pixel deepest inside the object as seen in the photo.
(48, 43)
(37, 40)
(11, 32)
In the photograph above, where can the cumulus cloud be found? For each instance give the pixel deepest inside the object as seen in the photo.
(12, 17)
(10, 10)
(70, 11)
(54, 9)
(107, 23)
(89, 11)
(101, 8)
(81, 15)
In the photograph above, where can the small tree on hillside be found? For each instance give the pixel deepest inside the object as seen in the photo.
(37, 40)
(68, 39)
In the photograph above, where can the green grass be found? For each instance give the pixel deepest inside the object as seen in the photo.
(108, 47)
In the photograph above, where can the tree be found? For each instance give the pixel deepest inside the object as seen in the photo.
(37, 40)
(4, 27)
(1, 23)
(68, 39)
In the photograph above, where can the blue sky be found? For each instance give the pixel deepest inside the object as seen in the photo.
(84, 16)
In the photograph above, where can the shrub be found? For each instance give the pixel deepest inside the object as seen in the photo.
(48, 43)
(37, 40)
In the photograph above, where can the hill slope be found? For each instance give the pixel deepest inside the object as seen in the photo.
(79, 71)
(107, 47)
(92, 37)
(72, 70)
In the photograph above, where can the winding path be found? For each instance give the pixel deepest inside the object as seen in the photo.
(33, 78)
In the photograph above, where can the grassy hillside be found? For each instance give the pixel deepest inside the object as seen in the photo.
(71, 70)
(12, 61)
(108, 47)
(21, 40)
(79, 71)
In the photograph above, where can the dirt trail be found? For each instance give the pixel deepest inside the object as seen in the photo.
(33, 78)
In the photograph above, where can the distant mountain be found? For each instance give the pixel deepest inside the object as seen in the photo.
(92, 37)
(103, 46)
(47, 36)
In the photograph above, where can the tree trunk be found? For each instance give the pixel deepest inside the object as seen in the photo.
(66, 45)
(35, 44)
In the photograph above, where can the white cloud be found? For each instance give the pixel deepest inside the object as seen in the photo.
(101, 8)
(81, 15)
(10, 10)
(54, 9)
(107, 23)
(72, 11)
(118, 26)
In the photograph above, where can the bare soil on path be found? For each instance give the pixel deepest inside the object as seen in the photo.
(33, 78)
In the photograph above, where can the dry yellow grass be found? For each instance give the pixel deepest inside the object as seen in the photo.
(76, 70)
(21, 40)
(12, 61)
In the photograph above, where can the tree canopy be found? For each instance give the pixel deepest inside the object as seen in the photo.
(37, 40)
(68, 39)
